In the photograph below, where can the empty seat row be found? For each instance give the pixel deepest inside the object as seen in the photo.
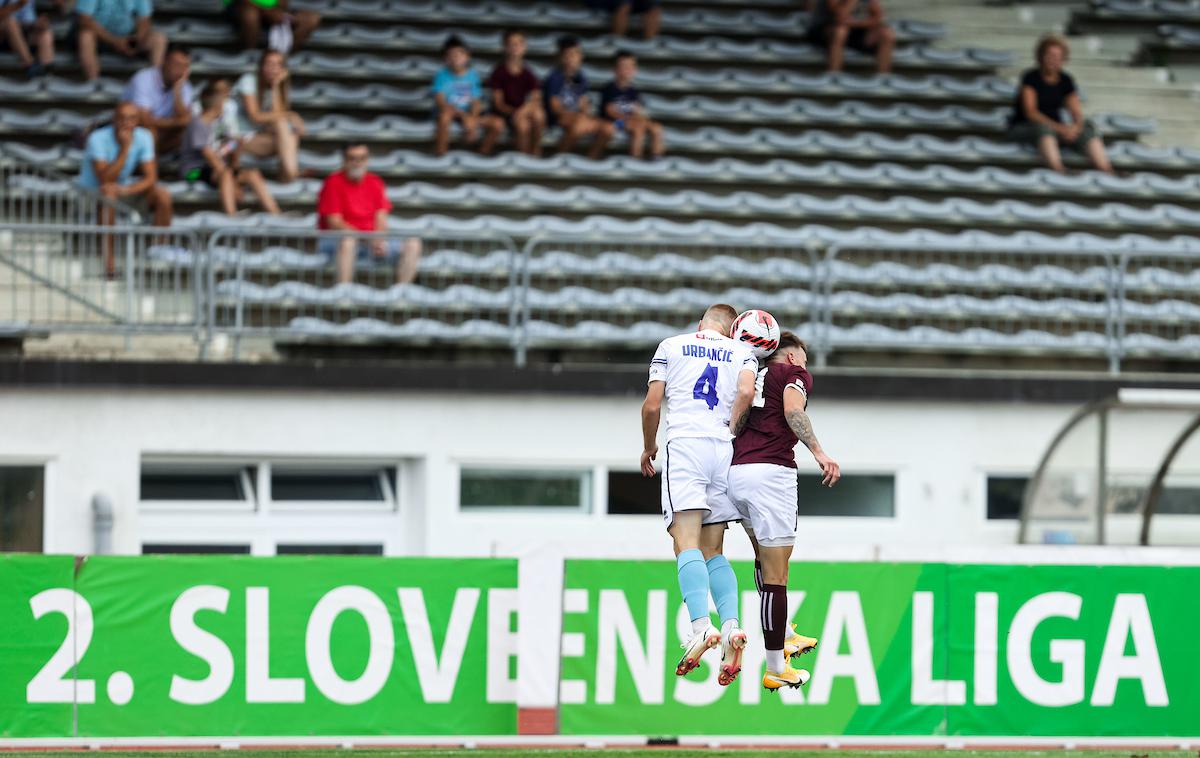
(576, 299)
(650, 229)
(897, 209)
(445, 259)
(1184, 37)
(860, 336)
(834, 174)
(1146, 9)
(398, 39)
(781, 22)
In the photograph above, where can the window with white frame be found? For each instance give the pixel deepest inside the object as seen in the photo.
(284, 506)
(221, 484)
(861, 495)
(21, 508)
(487, 488)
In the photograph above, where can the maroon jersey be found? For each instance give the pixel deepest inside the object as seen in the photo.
(767, 437)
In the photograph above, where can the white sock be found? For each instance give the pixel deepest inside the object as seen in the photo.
(728, 627)
(775, 663)
(701, 625)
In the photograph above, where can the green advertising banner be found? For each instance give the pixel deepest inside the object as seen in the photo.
(906, 649)
(287, 646)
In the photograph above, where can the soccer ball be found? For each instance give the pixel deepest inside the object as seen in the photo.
(759, 330)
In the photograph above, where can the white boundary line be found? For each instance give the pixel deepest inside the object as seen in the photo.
(550, 741)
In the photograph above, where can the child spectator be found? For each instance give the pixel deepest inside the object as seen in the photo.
(353, 199)
(163, 95)
(565, 92)
(286, 31)
(857, 24)
(23, 27)
(211, 157)
(621, 103)
(457, 95)
(122, 25)
(1044, 92)
(621, 11)
(516, 100)
(268, 126)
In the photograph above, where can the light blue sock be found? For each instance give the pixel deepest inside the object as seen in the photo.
(723, 584)
(693, 582)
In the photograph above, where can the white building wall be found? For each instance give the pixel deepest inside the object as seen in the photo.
(93, 440)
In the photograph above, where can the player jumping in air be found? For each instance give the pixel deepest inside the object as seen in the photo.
(762, 483)
(707, 379)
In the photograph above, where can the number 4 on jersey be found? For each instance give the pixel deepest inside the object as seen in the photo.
(706, 387)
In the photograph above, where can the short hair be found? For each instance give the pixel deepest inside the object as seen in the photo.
(210, 91)
(509, 33)
(720, 313)
(566, 42)
(452, 42)
(621, 54)
(788, 341)
(1048, 41)
(178, 48)
(351, 144)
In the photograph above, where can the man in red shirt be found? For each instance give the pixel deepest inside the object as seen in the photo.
(762, 484)
(355, 200)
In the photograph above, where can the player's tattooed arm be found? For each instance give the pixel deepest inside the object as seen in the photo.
(801, 426)
(738, 424)
(794, 404)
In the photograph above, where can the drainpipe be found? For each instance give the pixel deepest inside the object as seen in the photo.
(102, 524)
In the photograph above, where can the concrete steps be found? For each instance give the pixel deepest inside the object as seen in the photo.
(1100, 63)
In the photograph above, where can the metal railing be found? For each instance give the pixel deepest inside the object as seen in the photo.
(306, 286)
(84, 278)
(32, 194)
(567, 298)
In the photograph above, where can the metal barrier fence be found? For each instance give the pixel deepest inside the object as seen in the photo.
(31, 194)
(310, 286)
(569, 297)
(83, 278)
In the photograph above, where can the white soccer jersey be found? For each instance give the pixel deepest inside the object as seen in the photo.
(701, 372)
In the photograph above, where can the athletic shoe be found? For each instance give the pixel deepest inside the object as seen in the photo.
(731, 656)
(697, 646)
(797, 644)
(789, 677)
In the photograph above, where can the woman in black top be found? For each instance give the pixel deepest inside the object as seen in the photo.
(1037, 111)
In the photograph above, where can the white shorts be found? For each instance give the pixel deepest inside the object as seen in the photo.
(695, 477)
(765, 495)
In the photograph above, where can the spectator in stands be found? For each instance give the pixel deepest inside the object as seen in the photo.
(353, 199)
(857, 24)
(286, 30)
(1037, 112)
(24, 27)
(209, 156)
(516, 100)
(122, 25)
(621, 10)
(267, 124)
(621, 104)
(163, 95)
(114, 155)
(457, 95)
(565, 92)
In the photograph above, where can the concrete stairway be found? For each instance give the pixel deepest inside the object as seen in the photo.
(1100, 63)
